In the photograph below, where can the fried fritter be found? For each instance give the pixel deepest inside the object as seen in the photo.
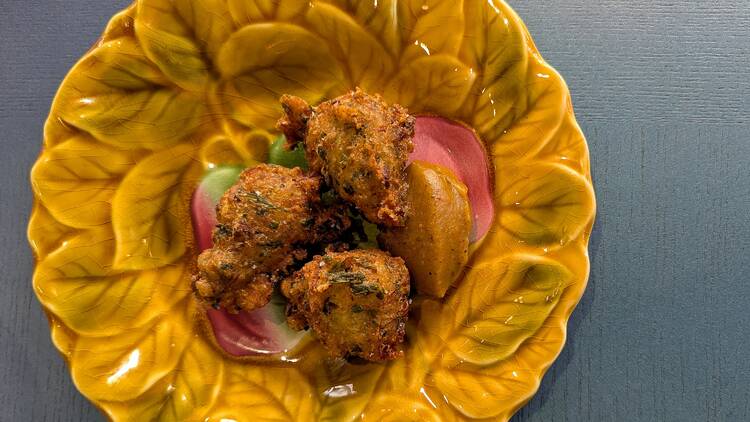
(265, 222)
(356, 303)
(360, 145)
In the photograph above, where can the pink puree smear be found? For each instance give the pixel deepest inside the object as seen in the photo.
(247, 333)
(259, 332)
(441, 141)
(437, 140)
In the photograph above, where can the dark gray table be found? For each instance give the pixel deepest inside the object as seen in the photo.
(661, 90)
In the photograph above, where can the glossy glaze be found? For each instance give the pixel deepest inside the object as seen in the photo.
(176, 87)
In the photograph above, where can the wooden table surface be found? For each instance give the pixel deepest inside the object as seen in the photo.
(661, 90)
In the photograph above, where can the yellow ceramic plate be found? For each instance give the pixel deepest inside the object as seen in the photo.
(178, 86)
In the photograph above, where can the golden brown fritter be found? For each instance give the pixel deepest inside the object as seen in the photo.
(265, 222)
(356, 303)
(360, 145)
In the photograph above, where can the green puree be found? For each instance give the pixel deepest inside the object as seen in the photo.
(217, 181)
(280, 155)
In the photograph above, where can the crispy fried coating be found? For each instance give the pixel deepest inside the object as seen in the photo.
(360, 145)
(356, 303)
(296, 115)
(265, 222)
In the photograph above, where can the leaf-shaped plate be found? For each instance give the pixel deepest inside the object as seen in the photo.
(175, 88)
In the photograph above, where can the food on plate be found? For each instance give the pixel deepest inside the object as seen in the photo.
(435, 240)
(265, 223)
(360, 145)
(350, 189)
(356, 303)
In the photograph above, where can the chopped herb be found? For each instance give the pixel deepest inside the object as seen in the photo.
(357, 309)
(348, 189)
(272, 244)
(273, 225)
(225, 266)
(365, 289)
(261, 202)
(366, 264)
(341, 277)
(336, 266)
